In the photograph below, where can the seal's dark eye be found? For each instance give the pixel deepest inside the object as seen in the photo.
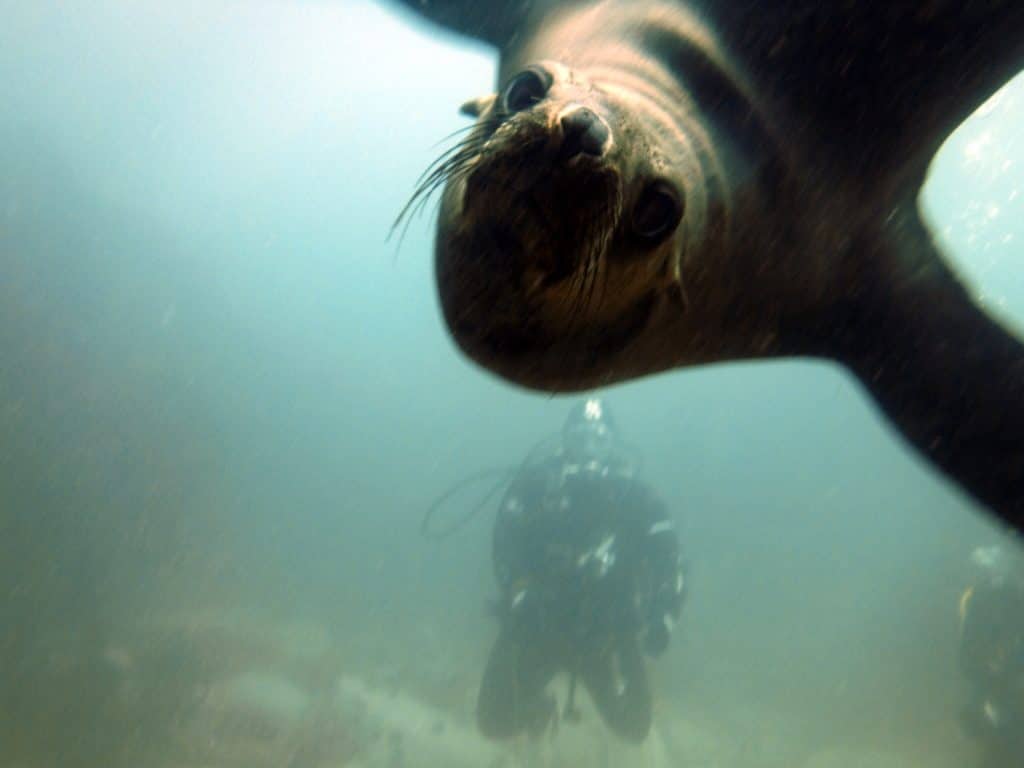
(657, 212)
(525, 89)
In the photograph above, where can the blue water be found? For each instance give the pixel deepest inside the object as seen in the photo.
(226, 400)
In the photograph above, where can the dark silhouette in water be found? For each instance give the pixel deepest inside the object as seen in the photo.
(663, 184)
(991, 657)
(587, 563)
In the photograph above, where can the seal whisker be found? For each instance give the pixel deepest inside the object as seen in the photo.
(597, 235)
(432, 180)
(469, 145)
(595, 255)
(590, 270)
(456, 132)
(451, 165)
(583, 289)
(587, 289)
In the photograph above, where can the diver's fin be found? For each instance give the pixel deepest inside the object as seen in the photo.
(490, 21)
(947, 375)
(880, 84)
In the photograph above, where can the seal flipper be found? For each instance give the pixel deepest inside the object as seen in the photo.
(947, 375)
(491, 21)
(877, 86)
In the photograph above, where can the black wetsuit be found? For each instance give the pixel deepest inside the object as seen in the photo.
(587, 561)
(992, 659)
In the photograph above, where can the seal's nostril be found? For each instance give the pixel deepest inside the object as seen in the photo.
(584, 133)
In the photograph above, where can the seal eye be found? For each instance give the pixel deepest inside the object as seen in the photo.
(525, 89)
(657, 212)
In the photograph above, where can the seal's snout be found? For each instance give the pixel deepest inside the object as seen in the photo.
(584, 132)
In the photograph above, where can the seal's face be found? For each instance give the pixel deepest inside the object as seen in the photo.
(564, 226)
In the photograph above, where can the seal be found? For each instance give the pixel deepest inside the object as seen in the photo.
(658, 184)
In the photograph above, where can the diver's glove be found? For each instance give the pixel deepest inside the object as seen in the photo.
(523, 611)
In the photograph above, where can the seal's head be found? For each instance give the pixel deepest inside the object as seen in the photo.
(565, 225)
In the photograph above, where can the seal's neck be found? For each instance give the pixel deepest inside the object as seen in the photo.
(947, 375)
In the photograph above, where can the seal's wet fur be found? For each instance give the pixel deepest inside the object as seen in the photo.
(795, 136)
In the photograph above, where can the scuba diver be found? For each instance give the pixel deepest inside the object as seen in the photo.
(991, 657)
(590, 578)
